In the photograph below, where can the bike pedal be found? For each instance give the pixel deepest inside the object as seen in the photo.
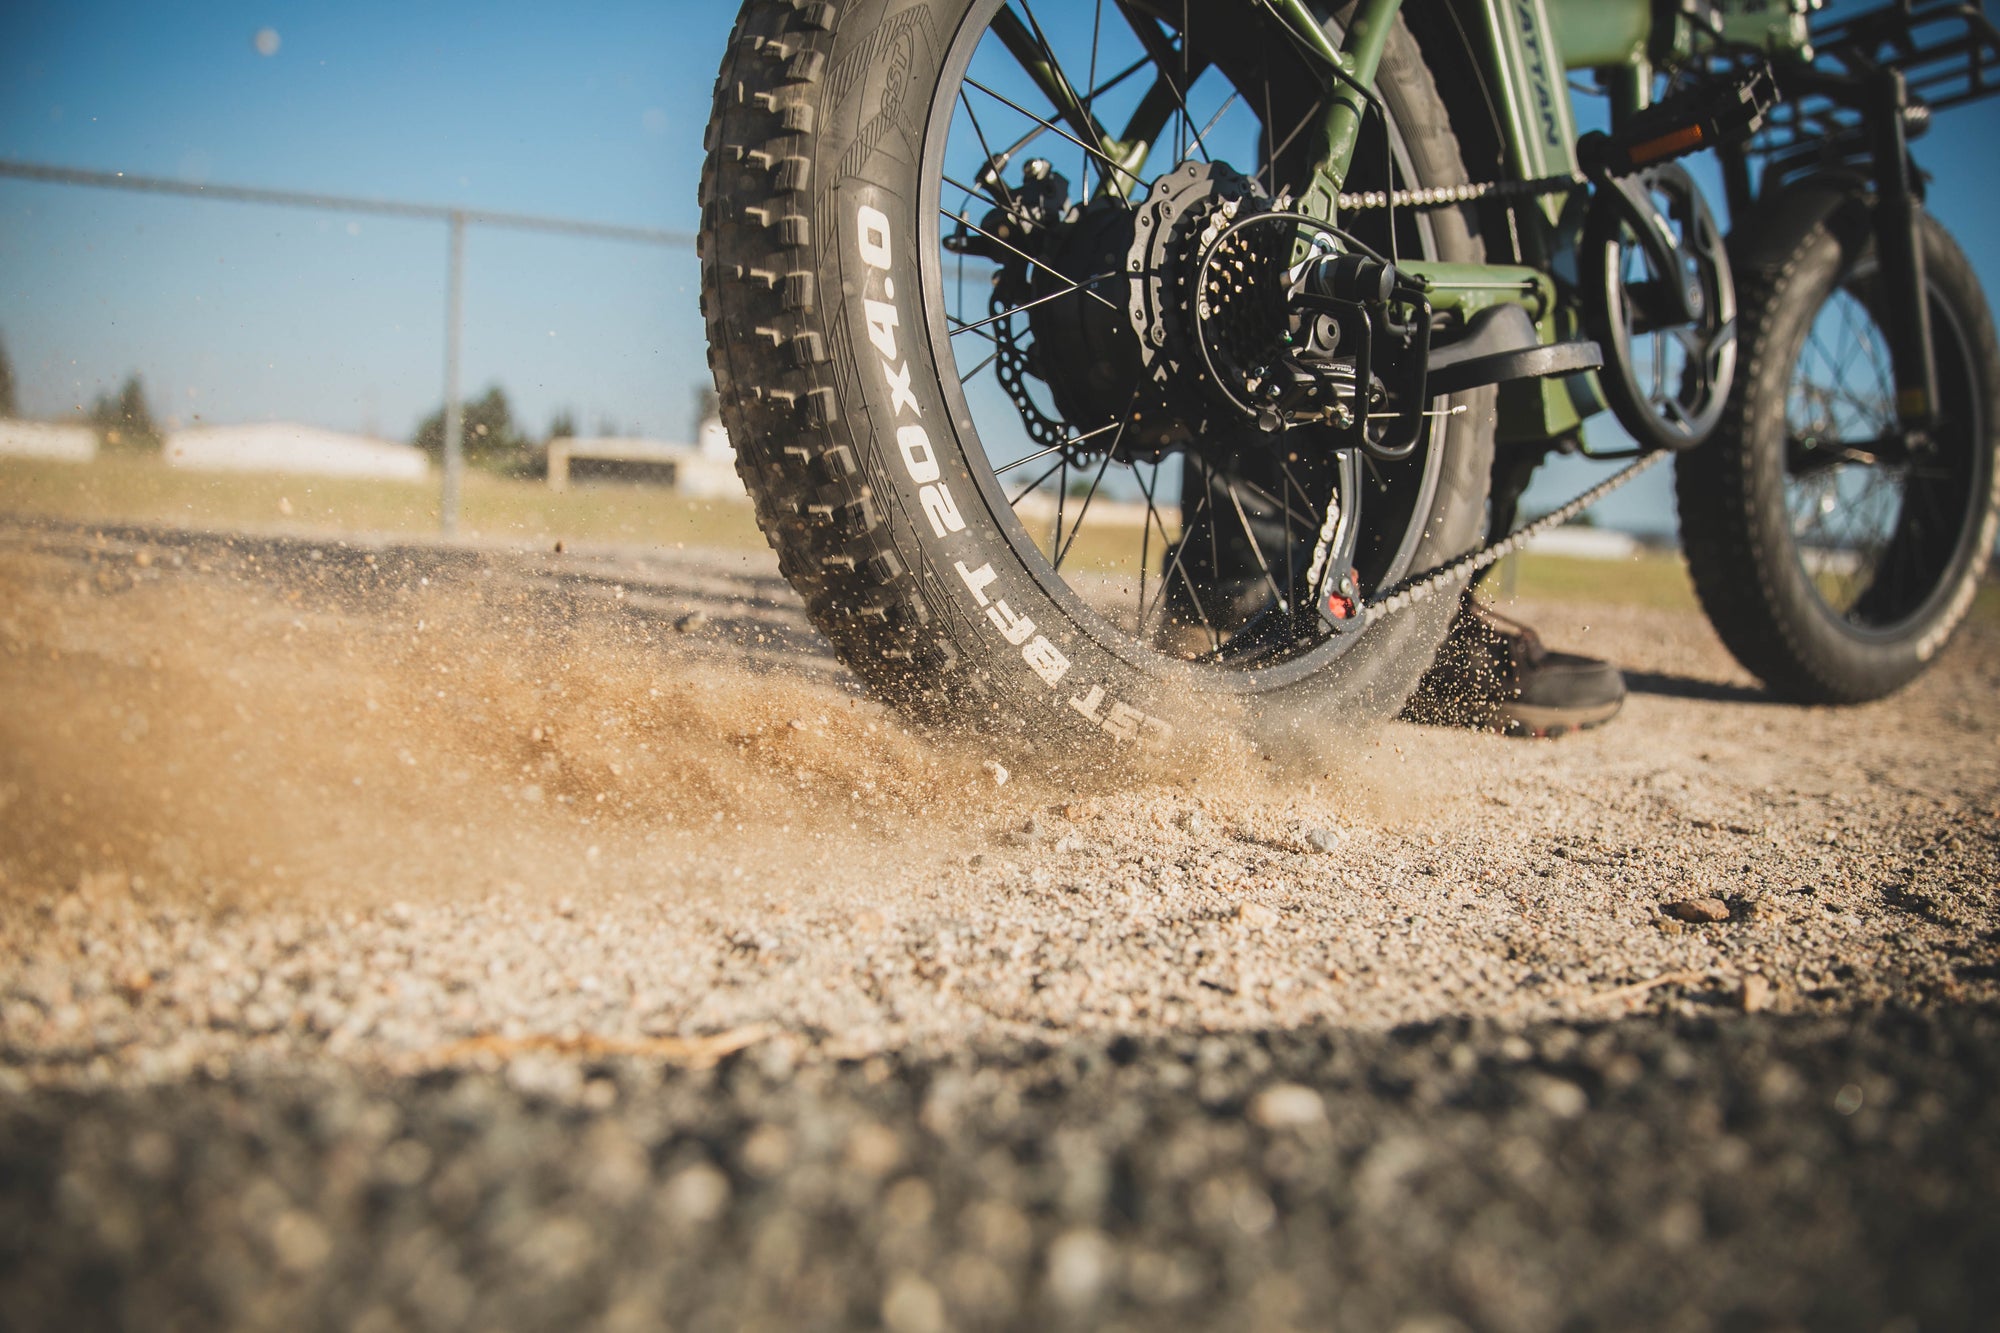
(1704, 116)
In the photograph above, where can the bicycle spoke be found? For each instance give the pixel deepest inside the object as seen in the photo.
(1074, 439)
(1180, 551)
(1148, 33)
(1034, 486)
(984, 146)
(1083, 510)
(1106, 159)
(1059, 277)
(1256, 547)
(990, 359)
(1090, 98)
(964, 327)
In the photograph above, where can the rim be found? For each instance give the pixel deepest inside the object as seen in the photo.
(1877, 527)
(1115, 535)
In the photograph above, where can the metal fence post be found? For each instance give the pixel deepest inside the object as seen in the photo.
(454, 418)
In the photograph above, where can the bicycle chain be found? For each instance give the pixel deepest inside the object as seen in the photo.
(1444, 196)
(1414, 591)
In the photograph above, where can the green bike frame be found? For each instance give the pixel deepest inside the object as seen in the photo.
(1524, 49)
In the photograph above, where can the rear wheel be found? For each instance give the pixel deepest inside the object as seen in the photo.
(1835, 554)
(977, 439)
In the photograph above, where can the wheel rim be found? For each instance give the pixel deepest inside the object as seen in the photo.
(1101, 532)
(1877, 527)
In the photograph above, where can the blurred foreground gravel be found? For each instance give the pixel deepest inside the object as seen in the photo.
(408, 937)
(1747, 1173)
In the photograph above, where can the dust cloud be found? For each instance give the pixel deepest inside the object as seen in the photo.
(238, 724)
(222, 735)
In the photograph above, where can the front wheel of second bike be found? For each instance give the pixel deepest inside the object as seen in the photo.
(1835, 552)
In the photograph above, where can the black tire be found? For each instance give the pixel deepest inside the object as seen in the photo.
(909, 556)
(1874, 610)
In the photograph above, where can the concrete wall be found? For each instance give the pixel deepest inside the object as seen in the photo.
(283, 446)
(56, 441)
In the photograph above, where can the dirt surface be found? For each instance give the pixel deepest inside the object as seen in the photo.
(604, 844)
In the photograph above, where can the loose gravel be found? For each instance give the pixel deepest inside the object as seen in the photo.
(535, 863)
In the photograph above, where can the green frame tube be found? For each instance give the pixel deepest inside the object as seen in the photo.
(1358, 57)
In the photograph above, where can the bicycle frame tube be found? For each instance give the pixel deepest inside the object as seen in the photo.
(1520, 54)
(1354, 62)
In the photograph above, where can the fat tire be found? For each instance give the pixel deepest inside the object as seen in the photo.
(1730, 492)
(820, 108)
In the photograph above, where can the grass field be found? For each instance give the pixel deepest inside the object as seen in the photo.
(142, 490)
(118, 489)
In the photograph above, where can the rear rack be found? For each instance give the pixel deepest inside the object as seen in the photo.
(1948, 52)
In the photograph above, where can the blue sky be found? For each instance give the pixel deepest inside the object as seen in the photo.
(234, 312)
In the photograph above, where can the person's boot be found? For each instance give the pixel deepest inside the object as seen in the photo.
(1494, 672)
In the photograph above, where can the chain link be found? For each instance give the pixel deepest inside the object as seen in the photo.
(1410, 592)
(1444, 196)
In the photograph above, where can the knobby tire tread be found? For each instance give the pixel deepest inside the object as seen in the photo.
(1744, 573)
(776, 353)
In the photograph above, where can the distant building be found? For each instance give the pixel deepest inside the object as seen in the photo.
(285, 446)
(54, 441)
(705, 470)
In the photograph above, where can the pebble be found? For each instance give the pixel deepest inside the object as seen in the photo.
(1287, 1106)
(1698, 910)
(912, 1305)
(1078, 1266)
(1256, 915)
(1755, 995)
(695, 1195)
(1562, 1099)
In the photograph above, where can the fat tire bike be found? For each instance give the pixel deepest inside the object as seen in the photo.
(1095, 367)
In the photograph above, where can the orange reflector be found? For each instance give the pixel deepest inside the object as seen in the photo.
(1667, 145)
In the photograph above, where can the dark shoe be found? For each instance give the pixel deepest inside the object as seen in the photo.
(1494, 672)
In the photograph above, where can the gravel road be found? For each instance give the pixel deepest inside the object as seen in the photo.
(405, 936)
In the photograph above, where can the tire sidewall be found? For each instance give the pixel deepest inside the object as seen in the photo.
(1029, 660)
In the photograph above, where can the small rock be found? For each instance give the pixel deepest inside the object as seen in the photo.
(1755, 997)
(1322, 840)
(1287, 1106)
(1078, 1264)
(1027, 835)
(767, 1151)
(873, 1150)
(912, 1305)
(1698, 910)
(1193, 824)
(1256, 915)
(696, 1194)
(1563, 1100)
(998, 770)
(299, 1242)
(102, 888)
(561, 546)
(691, 622)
